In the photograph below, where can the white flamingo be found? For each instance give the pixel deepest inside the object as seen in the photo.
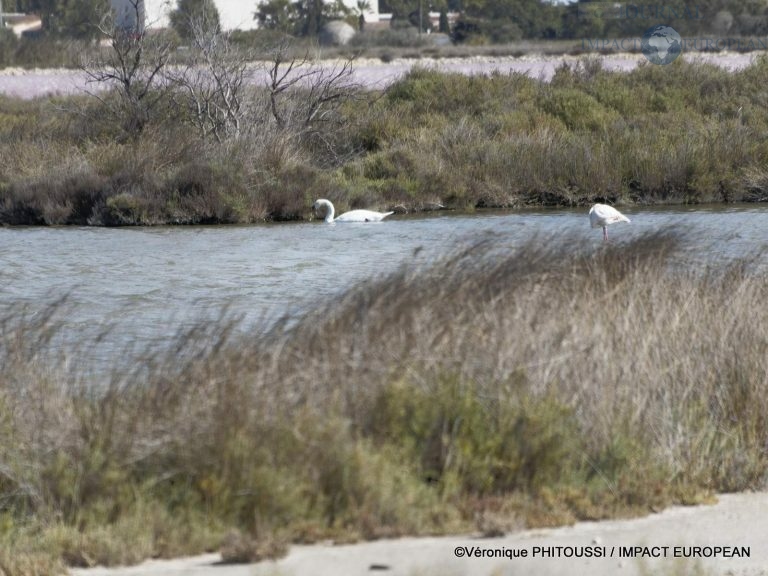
(602, 215)
(352, 216)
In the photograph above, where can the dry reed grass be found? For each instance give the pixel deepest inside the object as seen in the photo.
(545, 382)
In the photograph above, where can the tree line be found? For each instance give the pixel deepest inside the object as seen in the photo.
(82, 19)
(480, 21)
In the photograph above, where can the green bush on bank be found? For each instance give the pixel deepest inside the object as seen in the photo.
(687, 132)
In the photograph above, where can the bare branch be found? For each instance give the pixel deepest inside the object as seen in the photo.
(213, 83)
(133, 70)
(303, 94)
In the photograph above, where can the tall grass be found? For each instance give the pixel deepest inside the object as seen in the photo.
(499, 386)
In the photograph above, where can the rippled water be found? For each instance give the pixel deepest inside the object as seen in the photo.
(149, 282)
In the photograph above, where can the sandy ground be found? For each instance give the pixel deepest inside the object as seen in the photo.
(737, 521)
(372, 73)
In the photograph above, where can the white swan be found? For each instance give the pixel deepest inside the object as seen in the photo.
(352, 216)
(602, 215)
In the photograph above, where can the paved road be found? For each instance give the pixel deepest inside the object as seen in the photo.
(737, 523)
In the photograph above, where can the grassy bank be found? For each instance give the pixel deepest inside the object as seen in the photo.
(497, 388)
(682, 133)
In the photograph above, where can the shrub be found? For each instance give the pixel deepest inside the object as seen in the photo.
(579, 111)
(70, 200)
(462, 141)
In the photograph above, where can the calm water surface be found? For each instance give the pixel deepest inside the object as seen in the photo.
(147, 283)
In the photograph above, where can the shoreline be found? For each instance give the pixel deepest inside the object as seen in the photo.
(422, 213)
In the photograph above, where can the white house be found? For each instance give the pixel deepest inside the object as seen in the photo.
(234, 14)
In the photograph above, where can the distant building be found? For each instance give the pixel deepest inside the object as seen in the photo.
(234, 14)
(21, 24)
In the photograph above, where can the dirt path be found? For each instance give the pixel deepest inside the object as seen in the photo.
(737, 523)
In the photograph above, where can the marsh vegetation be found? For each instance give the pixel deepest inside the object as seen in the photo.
(683, 133)
(495, 388)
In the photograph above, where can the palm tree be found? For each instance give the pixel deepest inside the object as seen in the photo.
(362, 7)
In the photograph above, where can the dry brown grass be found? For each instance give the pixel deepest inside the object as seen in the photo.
(622, 336)
(545, 382)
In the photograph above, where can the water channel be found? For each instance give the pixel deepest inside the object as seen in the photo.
(146, 284)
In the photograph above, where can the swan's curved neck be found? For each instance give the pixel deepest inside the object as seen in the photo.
(329, 212)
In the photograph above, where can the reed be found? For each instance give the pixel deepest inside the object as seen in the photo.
(499, 386)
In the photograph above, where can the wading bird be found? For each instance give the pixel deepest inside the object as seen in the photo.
(352, 216)
(602, 215)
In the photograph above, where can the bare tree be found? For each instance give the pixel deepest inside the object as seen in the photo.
(305, 97)
(302, 97)
(133, 71)
(213, 84)
(214, 92)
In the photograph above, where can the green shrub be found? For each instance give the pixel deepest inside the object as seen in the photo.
(689, 132)
(578, 110)
(473, 443)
